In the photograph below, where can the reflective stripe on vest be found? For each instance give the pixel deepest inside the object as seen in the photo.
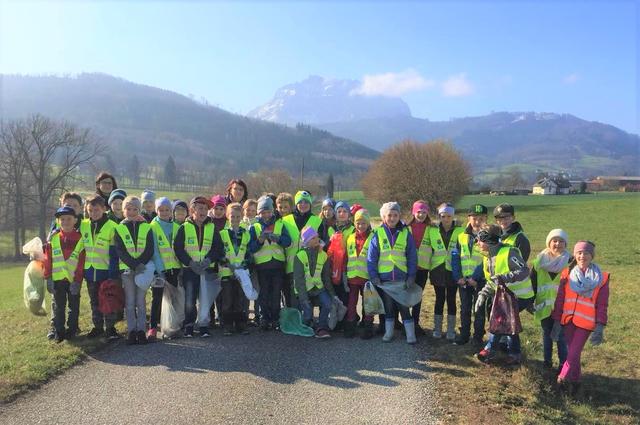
(357, 263)
(290, 224)
(96, 246)
(469, 259)
(442, 254)
(522, 289)
(191, 241)
(137, 248)
(546, 293)
(269, 250)
(165, 248)
(62, 269)
(578, 309)
(424, 250)
(230, 253)
(511, 239)
(315, 280)
(392, 256)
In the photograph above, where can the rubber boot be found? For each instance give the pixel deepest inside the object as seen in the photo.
(437, 326)
(367, 332)
(389, 328)
(349, 329)
(410, 331)
(451, 328)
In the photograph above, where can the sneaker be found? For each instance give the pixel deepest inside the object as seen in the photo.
(188, 332)
(51, 334)
(70, 333)
(204, 332)
(152, 334)
(485, 356)
(275, 326)
(132, 338)
(227, 330)
(112, 334)
(367, 331)
(95, 333)
(460, 340)
(59, 337)
(513, 360)
(547, 365)
(265, 326)
(477, 341)
(322, 333)
(420, 331)
(142, 337)
(241, 328)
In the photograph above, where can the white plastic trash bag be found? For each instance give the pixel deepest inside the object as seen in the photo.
(172, 310)
(407, 297)
(35, 288)
(209, 290)
(247, 285)
(145, 279)
(337, 313)
(33, 249)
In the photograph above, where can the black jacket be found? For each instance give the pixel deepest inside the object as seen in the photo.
(216, 251)
(121, 250)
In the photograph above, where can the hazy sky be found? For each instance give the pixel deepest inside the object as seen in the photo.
(445, 59)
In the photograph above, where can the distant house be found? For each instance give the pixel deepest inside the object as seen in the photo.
(552, 186)
(621, 183)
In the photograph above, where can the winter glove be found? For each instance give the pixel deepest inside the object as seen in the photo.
(195, 267)
(50, 286)
(274, 238)
(264, 236)
(411, 280)
(139, 268)
(498, 279)
(531, 309)
(555, 331)
(376, 281)
(74, 288)
(484, 294)
(204, 264)
(598, 335)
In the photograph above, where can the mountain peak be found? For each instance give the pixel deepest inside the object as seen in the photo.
(323, 100)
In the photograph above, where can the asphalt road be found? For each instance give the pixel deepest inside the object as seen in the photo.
(258, 378)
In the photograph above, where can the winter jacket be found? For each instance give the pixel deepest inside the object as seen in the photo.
(93, 275)
(68, 243)
(374, 254)
(522, 242)
(456, 263)
(518, 270)
(440, 276)
(602, 303)
(299, 279)
(215, 252)
(167, 229)
(255, 245)
(146, 255)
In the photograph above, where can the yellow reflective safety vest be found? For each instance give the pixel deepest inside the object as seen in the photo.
(290, 224)
(165, 247)
(312, 280)
(62, 269)
(269, 250)
(357, 263)
(546, 293)
(234, 258)
(424, 250)
(135, 249)
(392, 256)
(97, 245)
(469, 258)
(442, 254)
(522, 289)
(511, 239)
(191, 241)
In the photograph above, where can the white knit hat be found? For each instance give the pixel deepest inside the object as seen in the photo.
(558, 233)
(388, 206)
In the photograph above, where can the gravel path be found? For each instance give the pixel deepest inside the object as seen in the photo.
(257, 378)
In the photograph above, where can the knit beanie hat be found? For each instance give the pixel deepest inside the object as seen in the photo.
(342, 204)
(303, 195)
(362, 214)
(328, 202)
(265, 203)
(133, 201)
(419, 206)
(355, 208)
(148, 195)
(447, 209)
(557, 233)
(180, 203)
(116, 194)
(388, 206)
(587, 246)
(218, 200)
(200, 200)
(163, 201)
(307, 234)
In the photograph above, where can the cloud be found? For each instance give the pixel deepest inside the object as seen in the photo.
(393, 84)
(457, 85)
(571, 78)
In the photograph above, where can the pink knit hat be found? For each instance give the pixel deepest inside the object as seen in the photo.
(587, 246)
(218, 200)
(419, 206)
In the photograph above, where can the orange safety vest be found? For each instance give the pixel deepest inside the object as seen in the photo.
(578, 309)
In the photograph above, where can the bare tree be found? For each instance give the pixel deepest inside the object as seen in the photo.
(53, 152)
(408, 171)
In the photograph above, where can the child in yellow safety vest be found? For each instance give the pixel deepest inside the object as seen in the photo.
(164, 258)
(250, 213)
(63, 269)
(418, 225)
(269, 239)
(580, 310)
(235, 240)
(443, 239)
(357, 274)
(180, 211)
(135, 245)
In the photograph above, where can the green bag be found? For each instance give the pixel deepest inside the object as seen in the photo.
(291, 323)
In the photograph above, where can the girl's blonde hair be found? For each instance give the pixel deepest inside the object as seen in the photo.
(234, 206)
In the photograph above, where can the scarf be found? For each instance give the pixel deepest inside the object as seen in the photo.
(585, 282)
(551, 263)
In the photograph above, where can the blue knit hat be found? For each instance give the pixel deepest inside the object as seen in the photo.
(116, 194)
(265, 203)
(180, 203)
(163, 201)
(328, 202)
(342, 204)
(148, 195)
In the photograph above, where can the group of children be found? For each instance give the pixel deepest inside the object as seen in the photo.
(301, 260)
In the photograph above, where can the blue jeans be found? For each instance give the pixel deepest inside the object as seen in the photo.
(547, 343)
(191, 282)
(322, 299)
(513, 341)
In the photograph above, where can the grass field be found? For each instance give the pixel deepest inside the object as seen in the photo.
(468, 390)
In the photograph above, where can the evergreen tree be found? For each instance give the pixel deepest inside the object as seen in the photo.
(170, 171)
